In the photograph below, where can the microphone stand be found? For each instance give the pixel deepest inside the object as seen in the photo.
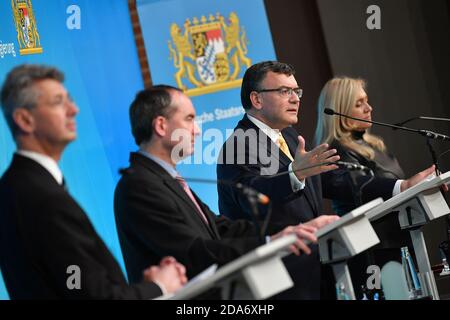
(433, 156)
(430, 146)
(253, 196)
(253, 200)
(359, 191)
(249, 193)
(269, 211)
(255, 215)
(356, 191)
(432, 151)
(422, 118)
(426, 133)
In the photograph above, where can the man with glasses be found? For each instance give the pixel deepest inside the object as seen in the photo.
(263, 144)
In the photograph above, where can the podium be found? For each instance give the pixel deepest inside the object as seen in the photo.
(416, 207)
(256, 275)
(343, 239)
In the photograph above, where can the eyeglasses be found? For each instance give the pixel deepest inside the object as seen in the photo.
(285, 92)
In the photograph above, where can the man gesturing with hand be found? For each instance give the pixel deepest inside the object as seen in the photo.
(265, 144)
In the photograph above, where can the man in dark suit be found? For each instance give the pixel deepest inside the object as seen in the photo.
(48, 247)
(156, 211)
(264, 144)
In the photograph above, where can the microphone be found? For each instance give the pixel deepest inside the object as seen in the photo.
(434, 135)
(261, 197)
(422, 118)
(346, 165)
(250, 192)
(245, 190)
(353, 166)
(426, 133)
(329, 111)
(254, 198)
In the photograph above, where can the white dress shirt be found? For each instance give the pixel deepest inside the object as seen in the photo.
(48, 163)
(274, 134)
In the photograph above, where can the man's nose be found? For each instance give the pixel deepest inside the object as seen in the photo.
(197, 129)
(72, 108)
(294, 98)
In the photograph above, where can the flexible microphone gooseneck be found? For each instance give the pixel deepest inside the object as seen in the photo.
(429, 135)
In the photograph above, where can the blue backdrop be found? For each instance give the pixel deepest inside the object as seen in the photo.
(102, 74)
(220, 109)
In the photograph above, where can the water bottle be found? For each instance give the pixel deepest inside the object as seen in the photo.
(410, 273)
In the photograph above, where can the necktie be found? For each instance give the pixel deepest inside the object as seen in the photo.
(283, 146)
(191, 196)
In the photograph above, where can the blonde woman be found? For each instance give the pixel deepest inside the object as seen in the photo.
(347, 190)
(355, 144)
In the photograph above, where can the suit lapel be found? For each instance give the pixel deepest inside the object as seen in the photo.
(26, 163)
(292, 142)
(209, 216)
(310, 196)
(265, 143)
(176, 188)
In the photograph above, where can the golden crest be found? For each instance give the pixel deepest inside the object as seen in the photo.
(27, 35)
(209, 53)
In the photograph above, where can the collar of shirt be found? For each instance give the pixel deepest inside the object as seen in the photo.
(166, 166)
(273, 134)
(48, 163)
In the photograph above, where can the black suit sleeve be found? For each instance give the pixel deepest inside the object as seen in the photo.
(337, 184)
(62, 236)
(228, 228)
(250, 171)
(147, 212)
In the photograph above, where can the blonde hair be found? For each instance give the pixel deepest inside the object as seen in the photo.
(339, 94)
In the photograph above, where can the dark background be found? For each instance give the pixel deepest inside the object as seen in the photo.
(406, 65)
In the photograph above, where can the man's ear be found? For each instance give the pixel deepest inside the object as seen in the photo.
(160, 126)
(255, 98)
(24, 120)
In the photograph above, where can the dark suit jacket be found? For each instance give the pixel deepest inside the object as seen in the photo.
(43, 231)
(155, 217)
(245, 161)
(337, 184)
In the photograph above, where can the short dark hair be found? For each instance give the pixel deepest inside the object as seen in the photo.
(18, 92)
(147, 105)
(255, 75)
